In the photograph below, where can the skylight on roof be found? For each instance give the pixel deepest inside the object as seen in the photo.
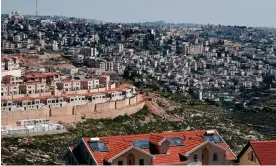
(176, 141)
(98, 146)
(141, 143)
(213, 138)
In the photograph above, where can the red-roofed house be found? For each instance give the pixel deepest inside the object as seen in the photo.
(49, 78)
(258, 153)
(173, 148)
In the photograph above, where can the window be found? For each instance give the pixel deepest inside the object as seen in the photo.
(120, 162)
(195, 158)
(141, 162)
(215, 157)
(251, 156)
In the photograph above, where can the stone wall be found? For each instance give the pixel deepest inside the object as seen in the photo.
(72, 114)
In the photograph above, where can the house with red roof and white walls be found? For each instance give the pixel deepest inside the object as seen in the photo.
(258, 153)
(198, 147)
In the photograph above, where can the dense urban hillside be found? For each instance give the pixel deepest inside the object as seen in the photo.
(175, 114)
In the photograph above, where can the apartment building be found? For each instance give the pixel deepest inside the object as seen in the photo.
(119, 49)
(73, 85)
(117, 95)
(89, 52)
(76, 99)
(70, 85)
(98, 98)
(194, 49)
(90, 83)
(53, 101)
(27, 102)
(13, 90)
(9, 90)
(49, 78)
(9, 63)
(10, 66)
(68, 69)
(4, 90)
(32, 88)
(76, 85)
(104, 80)
(102, 64)
(170, 148)
(24, 103)
(258, 153)
(9, 79)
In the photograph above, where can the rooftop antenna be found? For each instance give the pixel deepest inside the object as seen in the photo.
(36, 7)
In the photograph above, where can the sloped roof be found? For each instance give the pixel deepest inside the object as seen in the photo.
(265, 151)
(117, 149)
(156, 139)
(118, 144)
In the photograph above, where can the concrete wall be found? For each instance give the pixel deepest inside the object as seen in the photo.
(61, 111)
(11, 117)
(119, 104)
(72, 114)
(132, 100)
(82, 109)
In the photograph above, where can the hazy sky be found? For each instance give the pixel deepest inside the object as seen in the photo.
(226, 12)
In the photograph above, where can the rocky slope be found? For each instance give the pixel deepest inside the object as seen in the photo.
(176, 115)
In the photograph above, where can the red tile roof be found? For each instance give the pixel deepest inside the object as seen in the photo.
(265, 151)
(117, 144)
(117, 148)
(40, 75)
(155, 139)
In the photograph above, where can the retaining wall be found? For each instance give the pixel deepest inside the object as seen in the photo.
(72, 114)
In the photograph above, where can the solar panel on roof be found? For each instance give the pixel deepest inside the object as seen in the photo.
(213, 138)
(98, 146)
(176, 141)
(141, 143)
